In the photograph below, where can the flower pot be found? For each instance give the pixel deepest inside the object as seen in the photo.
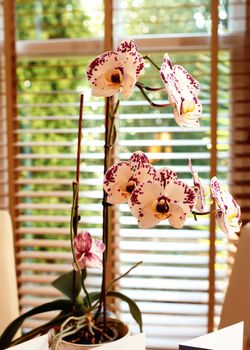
(122, 330)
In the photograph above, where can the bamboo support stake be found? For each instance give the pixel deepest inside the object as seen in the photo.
(108, 45)
(78, 161)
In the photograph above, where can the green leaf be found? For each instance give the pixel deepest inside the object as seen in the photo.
(13, 327)
(57, 321)
(134, 309)
(64, 283)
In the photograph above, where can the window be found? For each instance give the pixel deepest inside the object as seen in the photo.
(55, 42)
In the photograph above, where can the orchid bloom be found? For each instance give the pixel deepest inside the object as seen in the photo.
(88, 251)
(228, 215)
(182, 90)
(199, 189)
(122, 178)
(117, 70)
(165, 198)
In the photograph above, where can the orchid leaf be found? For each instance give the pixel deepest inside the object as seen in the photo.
(134, 309)
(64, 283)
(44, 328)
(12, 328)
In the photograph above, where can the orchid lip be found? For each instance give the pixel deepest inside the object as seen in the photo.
(130, 186)
(161, 208)
(114, 76)
(187, 106)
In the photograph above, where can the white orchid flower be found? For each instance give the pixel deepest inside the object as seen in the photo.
(182, 90)
(166, 197)
(122, 178)
(117, 70)
(228, 214)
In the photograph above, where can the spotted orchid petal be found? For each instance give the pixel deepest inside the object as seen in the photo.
(104, 74)
(132, 63)
(138, 159)
(117, 70)
(228, 215)
(186, 81)
(182, 90)
(177, 215)
(223, 198)
(116, 182)
(141, 203)
(88, 251)
(227, 225)
(142, 170)
(122, 178)
(165, 175)
(199, 189)
(82, 243)
(148, 219)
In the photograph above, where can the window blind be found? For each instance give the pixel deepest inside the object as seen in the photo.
(239, 72)
(8, 104)
(172, 285)
(3, 148)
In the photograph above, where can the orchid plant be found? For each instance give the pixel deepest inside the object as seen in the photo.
(152, 195)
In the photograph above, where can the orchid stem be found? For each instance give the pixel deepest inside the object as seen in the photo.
(111, 138)
(195, 213)
(121, 276)
(72, 236)
(148, 88)
(151, 61)
(83, 277)
(116, 108)
(75, 207)
(153, 104)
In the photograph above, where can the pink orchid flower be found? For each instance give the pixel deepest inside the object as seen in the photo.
(122, 178)
(88, 251)
(165, 198)
(199, 189)
(228, 215)
(182, 90)
(117, 70)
